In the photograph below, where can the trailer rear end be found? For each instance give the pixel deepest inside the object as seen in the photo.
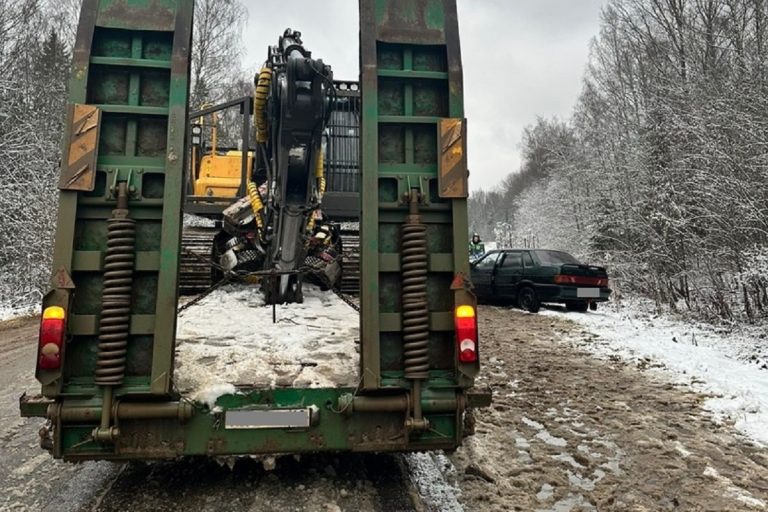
(114, 357)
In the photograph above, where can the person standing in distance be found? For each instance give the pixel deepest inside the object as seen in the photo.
(476, 247)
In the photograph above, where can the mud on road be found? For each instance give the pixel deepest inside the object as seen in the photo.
(566, 431)
(569, 432)
(30, 480)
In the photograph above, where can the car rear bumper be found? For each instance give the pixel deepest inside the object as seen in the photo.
(560, 293)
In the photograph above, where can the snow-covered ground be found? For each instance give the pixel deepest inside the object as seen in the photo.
(228, 340)
(10, 313)
(730, 366)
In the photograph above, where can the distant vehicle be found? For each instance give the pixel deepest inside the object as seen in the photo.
(530, 277)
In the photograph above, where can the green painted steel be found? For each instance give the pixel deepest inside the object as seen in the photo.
(205, 433)
(131, 60)
(411, 80)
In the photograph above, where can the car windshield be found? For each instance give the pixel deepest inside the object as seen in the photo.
(556, 258)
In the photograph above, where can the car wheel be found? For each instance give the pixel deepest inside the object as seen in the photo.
(580, 307)
(528, 300)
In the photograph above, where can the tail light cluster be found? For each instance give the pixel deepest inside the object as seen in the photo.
(581, 280)
(466, 333)
(52, 332)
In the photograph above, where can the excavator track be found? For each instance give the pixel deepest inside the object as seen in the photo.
(195, 263)
(195, 260)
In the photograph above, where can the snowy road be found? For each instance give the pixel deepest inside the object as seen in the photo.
(567, 431)
(29, 478)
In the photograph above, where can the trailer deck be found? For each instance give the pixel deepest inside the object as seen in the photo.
(110, 363)
(228, 341)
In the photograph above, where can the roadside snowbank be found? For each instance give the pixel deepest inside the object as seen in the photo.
(228, 339)
(16, 312)
(706, 360)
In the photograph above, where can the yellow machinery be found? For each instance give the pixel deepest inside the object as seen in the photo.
(216, 174)
(219, 174)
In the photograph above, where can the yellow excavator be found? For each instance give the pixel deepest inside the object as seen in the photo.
(215, 172)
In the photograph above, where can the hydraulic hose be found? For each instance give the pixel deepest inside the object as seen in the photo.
(320, 174)
(320, 177)
(256, 203)
(263, 84)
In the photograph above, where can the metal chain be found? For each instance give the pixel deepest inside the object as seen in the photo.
(228, 277)
(208, 261)
(203, 295)
(346, 298)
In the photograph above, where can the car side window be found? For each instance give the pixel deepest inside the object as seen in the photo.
(528, 260)
(512, 261)
(487, 263)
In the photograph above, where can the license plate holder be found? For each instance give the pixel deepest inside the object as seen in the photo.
(588, 293)
(238, 419)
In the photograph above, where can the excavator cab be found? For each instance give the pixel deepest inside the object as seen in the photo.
(215, 172)
(218, 173)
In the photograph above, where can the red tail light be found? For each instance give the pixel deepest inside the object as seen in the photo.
(466, 333)
(52, 331)
(581, 280)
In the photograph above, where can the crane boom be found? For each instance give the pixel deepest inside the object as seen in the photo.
(271, 227)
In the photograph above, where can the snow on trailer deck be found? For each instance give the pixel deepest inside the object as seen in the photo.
(228, 340)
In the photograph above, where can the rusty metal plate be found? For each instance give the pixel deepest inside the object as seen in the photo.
(452, 172)
(78, 168)
(411, 21)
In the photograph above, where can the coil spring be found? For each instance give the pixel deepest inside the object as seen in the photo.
(114, 325)
(415, 310)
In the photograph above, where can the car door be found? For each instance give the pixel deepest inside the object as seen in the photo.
(508, 274)
(530, 269)
(483, 275)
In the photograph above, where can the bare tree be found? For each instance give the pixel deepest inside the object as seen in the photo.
(216, 49)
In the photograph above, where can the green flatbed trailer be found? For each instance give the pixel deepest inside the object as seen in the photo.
(106, 351)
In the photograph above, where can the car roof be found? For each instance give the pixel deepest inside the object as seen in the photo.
(526, 249)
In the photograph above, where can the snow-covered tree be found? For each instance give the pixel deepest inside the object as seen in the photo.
(662, 172)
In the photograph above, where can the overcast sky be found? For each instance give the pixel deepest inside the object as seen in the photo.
(522, 59)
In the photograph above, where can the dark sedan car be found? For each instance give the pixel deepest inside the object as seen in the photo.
(530, 277)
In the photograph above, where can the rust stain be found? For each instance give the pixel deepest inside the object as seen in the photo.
(404, 22)
(452, 176)
(152, 17)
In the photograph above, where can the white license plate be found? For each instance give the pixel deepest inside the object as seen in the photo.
(274, 418)
(588, 293)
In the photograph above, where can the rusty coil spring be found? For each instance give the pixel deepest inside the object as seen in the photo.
(114, 325)
(415, 310)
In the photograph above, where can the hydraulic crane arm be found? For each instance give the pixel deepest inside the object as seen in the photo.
(299, 107)
(292, 106)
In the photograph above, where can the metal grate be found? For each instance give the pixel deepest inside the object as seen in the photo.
(342, 155)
